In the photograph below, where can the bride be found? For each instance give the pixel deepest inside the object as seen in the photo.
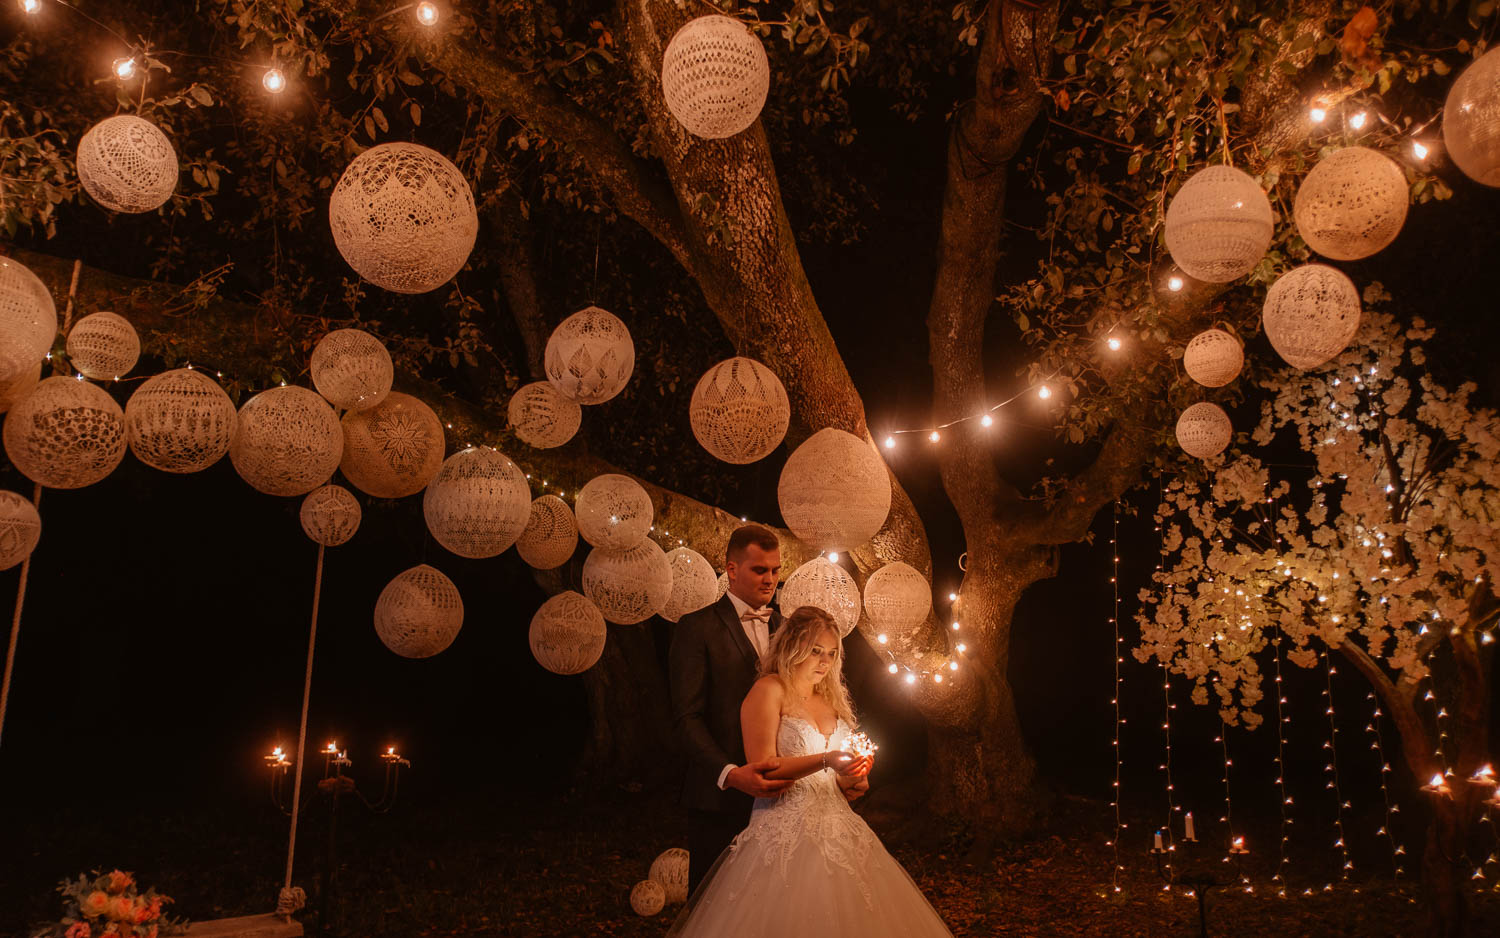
(806, 864)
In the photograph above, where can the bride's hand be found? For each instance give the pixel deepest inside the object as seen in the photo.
(847, 764)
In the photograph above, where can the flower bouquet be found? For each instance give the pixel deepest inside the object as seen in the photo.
(110, 906)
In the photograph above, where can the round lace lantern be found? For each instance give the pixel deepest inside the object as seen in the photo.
(393, 449)
(28, 320)
(419, 613)
(1204, 430)
(288, 441)
(403, 217)
(127, 164)
(648, 898)
(834, 491)
(478, 503)
(352, 369)
(613, 511)
(567, 634)
(1311, 313)
(542, 417)
(19, 387)
(825, 586)
(330, 515)
(551, 534)
(590, 356)
(20, 529)
(670, 868)
(65, 434)
(739, 411)
(1471, 120)
(715, 76)
(897, 598)
(1352, 204)
(103, 346)
(1219, 225)
(693, 583)
(1213, 358)
(628, 586)
(180, 421)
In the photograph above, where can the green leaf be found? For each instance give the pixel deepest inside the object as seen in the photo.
(201, 95)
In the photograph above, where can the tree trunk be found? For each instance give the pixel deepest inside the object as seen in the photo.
(630, 736)
(1442, 879)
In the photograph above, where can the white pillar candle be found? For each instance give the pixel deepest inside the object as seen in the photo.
(1191, 835)
(1157, 844)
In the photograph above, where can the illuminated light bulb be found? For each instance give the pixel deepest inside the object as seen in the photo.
(937, 679)
(1114, 344)
(1174, 284)
(955, 626)
(890, 442)
(1357, 121)
(124, 68)
(1317, 115)
(833, 557)
(952, 597)
(882, 638)
(934, 436)
(274, 80)
(31, 6)
(963, 648)
(1044, 392)
(911, 678)
(892, 669)
(986, 421)
(427, 14)
(953, 666)
(1486, 638)
(1418, 150)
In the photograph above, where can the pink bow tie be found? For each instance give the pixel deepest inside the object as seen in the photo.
(762, 616)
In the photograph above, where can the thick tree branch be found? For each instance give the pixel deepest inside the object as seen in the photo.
(1399, 700)
(516, 262)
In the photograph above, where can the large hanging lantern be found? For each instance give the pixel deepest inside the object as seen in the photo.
(1352, 204)
(613, 511)
(897, 598)
(419, 613)
(403, 217)
(693, 583)
(1310, 314)
(393, 449)
(478, 503)
(670, 868)
(127, 164)
(567, 634)
(20, 529)
(287, 442)
(1213, 358)
(180, 421)
(28, 320)
(826, 586)
(542, 417)
(352, 369)
(1219, 225)
(1471, 120)
(551, 534)
(103, 346)
(628, 586)
(330, 515)
(65, 434)
(739, 411)
(19, 387)
(1204, 430)
(714, 76)
(834, 491)
(590, 356)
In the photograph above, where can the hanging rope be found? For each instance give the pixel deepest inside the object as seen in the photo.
(291, 898)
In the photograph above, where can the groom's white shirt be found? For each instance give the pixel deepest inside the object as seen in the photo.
(759, 633)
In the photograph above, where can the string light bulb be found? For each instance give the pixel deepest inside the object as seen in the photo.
(1044, 392)
(934, 436)
(1174, 284)
(1317, 115)
(833, 557)
(1418, 150)
(986, 421)
(1357, 121)
(124, 68)
(274, 81)
(1114, 343)
(890, 442)
(427, 14)
(892, 668)
(31, 6)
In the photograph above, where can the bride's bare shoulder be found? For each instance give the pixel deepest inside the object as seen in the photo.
(766, 692)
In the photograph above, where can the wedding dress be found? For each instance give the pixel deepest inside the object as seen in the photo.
(807, 865)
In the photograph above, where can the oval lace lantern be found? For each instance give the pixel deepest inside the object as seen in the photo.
(1352, 204)
(722, 587)
(825, 586)
(628, 586)
(127, 164)
(1213, 358)
(590, 356)
(393, 449)
(65, 434)
(670, 868)
(567, 634)
(1219, 225)
(403, 217)
(897, 598)
(1204, 430)
(1471, 120)
(352, 369)
(739, 411)
(18, 387)
(28, 320)
(648, 898)
(478, 503)
(330, 515)
(714, 76)
(693, 583)
(20, 529)
(1311, 313)
(542, 417)
(287, 442)
(613, 511)
(419, 613)
(834, 491)
(551, 534)
(180, 421)
(103, 346)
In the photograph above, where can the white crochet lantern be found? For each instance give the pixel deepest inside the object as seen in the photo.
(670, 868)
(628, 586)
(65, 434)
(613, 511)
(1352, 204)
(897, 598)
(478, 503)
(403, 217)
(715, 76)
(103, 346)
(127, 164)
(739, 411)
(28, 320)
(567, 634)
(1471, 120)
(20, 529)
(648, 898)
(1219, 225)
(590, 356)
(288, 441)
(18, 387)
(352, 369)
(542, 417)
(1311, 313)
(180, 421)
(330, 515)
(419, 613)
(693, 583)
(1204, 430)
(722, 587)
(834, 491)
(1213, 358)
(551, 534)
(393, 449)
(825, 586)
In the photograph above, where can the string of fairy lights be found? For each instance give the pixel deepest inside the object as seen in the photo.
(1331, 769)
(1377, 743)
(1279, 878)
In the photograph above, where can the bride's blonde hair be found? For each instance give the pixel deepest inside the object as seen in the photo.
(792, 644)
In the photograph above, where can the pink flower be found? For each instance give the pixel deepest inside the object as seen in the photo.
(96, 903)
(119, 882)
(77, 930)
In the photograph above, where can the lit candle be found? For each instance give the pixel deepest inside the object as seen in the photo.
(1156, 846)
(1238, 846)
(1190, 834)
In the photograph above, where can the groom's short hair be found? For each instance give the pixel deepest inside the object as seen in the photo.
(757, 534)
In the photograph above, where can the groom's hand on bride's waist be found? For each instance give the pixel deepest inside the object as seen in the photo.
(751, 779)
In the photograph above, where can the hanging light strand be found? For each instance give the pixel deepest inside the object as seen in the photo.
(1378, 744)
(1119, 655)
(1331, 769)
(1279, 878)
(985, 418)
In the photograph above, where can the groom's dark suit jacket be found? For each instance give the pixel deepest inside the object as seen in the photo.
(711, 668)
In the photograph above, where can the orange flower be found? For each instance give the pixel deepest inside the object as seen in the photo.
(119, 882)
(122, 909)
(96, 904)
(146, 911)
(78, 930)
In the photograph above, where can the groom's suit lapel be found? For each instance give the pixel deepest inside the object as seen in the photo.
(731, 621)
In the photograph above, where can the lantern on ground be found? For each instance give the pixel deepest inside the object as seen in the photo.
(287, 442)
(613, 512)
(551, 534)
(1310, 314)
(65, 434)
(1471, 120)
(127, 164)
(693, 583)
(180, 421)
(834, 491)
(897, 598)
(1213, 358)
(590, 356)
(648, 898)
(628, 586)
(478, 503)
(1204, 430)
(670, 868)
(393, 449)
(352, 369)
(28, 320)
(103, 346)
(825, 586)
(419, 613)
(1352, 204)
(1219, 225)
(20, 529)
(739, 411)
(542, 417)
(330, 515)
(567, 634)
